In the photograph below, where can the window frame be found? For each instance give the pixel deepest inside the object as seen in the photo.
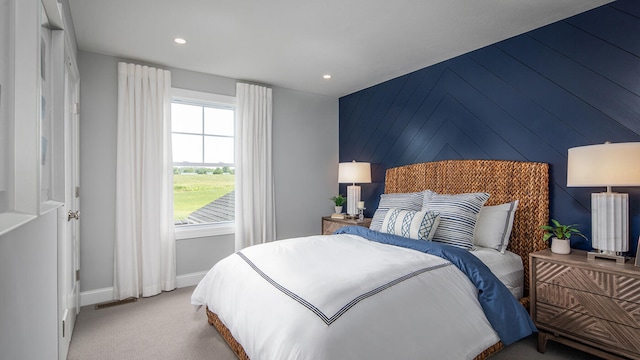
(223, 101)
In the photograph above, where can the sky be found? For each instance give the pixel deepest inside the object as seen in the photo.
(202, 134)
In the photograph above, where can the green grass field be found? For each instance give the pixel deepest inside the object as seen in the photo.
(191, 192)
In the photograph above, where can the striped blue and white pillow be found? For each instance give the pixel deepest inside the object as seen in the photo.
(405, 201)
(458, 216)
(419, 225)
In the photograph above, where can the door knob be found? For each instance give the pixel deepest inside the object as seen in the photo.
(73, 215)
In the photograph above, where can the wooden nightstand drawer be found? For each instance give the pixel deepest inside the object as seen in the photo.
(593, 281)
(602, 307)
(586, 327)
(330, 225)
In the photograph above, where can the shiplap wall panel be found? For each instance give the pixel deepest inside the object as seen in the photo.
(630, 7)
(612, 24)
(532, 97)
(558, 102)
(592, 88)
(602, 57)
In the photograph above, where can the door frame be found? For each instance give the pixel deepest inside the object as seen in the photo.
(68, 227)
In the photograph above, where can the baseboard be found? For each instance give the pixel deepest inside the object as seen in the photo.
(98, 296)
(189, 279)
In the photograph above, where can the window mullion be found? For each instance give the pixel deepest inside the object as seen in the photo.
(203, 132)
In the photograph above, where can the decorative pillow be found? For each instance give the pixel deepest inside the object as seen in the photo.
(458, 216)
(405, 201)
(494, 225)
(419, 225)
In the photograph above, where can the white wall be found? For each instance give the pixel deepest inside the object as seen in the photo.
(28, 265)
(29, 289)
(305, 151)
(98, 88)
(305, 137)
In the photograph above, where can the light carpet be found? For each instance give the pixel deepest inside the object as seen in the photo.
(165, 326)
(168, 327)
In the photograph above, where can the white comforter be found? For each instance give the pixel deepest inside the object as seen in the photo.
(344, 297)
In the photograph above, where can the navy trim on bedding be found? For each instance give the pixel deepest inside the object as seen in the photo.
(329, 320)
(507, 316)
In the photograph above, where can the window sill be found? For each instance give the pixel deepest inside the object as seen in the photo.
(198, 231)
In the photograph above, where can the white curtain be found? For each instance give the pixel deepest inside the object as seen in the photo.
(255, 207)
(144, 256)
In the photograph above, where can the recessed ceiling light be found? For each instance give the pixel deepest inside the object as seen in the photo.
(326, 76)
(180, 41)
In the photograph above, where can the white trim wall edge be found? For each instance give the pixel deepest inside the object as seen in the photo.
(184, 94)
(98, 296)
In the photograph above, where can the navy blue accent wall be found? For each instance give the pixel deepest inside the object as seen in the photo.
(572, 83)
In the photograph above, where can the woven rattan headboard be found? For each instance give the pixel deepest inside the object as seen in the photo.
(506, 181)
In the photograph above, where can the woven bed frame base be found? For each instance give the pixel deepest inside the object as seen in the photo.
(505, 180)
(239, 350)
(226, 335)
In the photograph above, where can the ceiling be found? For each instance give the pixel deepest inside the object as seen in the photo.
(293, 43)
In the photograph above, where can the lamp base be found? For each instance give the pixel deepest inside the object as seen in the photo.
(610, 222)
(620, 259)
(353, 196)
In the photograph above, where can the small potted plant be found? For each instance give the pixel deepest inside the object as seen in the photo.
(338, 201)
(560, 235)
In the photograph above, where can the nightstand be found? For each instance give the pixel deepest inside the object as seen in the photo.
(330, 225)
(591, 305)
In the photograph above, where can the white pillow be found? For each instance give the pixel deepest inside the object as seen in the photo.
(458, 216)
(419, 225)
(405, 201)
(494, 225)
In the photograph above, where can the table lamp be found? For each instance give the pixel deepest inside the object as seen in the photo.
(606, 165)
(354, 172)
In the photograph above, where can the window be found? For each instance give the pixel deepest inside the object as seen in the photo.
(202, 132)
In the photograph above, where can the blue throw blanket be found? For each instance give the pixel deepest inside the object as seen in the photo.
(507, 316)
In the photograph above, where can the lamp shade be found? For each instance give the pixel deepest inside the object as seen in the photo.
(604, 165)
(354, 172)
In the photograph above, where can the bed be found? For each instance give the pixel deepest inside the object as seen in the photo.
(248, 310)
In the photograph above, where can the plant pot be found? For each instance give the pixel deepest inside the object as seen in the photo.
(338, 209)
(560, 246)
